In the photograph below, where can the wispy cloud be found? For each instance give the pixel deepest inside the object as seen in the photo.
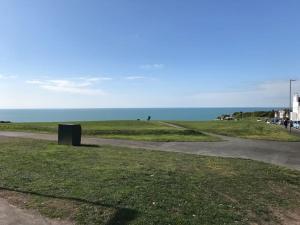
(152, 66)
(135, 77)
(80, 85)
(94, 79)
(34, 82)
(7, 77)
(268, 93)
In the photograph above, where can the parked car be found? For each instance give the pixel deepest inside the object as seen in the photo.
(296, 124)
(280, 122)
(275, 121)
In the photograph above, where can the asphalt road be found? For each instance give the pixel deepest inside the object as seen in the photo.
(280, 153)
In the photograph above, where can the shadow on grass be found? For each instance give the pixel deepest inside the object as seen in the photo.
(89, 145)
(122, 216)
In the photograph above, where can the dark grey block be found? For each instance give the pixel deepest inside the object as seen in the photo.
(69, 134)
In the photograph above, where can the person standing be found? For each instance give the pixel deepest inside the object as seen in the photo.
(285, 123)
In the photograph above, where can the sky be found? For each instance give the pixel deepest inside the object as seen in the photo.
(142, 53)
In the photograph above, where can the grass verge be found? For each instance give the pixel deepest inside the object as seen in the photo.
(130, 130)
(113, 185)
(247, 128)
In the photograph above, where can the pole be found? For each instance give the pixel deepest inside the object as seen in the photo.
(290, 111)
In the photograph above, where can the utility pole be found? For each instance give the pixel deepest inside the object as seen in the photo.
(290, 111)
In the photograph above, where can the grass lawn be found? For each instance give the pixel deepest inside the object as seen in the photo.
(113, 185)
(247, 128)
(156, 131)
(132, 130)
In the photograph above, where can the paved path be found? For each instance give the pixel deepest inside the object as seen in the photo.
(11, 215)
(279, 153)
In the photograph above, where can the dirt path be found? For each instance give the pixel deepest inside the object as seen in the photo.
(275, 152)
(172, 125)
(11, 215)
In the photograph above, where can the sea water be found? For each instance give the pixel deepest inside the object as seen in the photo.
(64, 115)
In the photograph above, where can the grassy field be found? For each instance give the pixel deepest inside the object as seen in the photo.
(110, 185)
(247, 128)
(157, 131)
(131, 130)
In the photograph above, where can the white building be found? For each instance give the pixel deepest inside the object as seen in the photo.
(295, 114)
(281, 114)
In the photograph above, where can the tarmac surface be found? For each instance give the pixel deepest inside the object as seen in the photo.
(276, 152)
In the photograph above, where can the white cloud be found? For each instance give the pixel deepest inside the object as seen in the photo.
(34, 82)
(152, 66)
(89, 94)
(84, 86)
(7, 77)
(268, 93)
(135, 77)
(94, 79)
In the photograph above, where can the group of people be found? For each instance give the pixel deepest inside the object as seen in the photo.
(287, 122)
(148, 119)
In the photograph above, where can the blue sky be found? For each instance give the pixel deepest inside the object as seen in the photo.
(138, 53)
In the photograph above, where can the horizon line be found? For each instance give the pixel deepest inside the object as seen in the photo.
(177, 107)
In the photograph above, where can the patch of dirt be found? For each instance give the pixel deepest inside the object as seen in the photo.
(291, 217)
(227, 197)
(222, 169)
(20, 209)
(283, 189)
(282, 217)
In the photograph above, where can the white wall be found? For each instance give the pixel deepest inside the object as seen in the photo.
(295, 114)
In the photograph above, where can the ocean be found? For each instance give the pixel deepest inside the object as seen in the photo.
(64, 115)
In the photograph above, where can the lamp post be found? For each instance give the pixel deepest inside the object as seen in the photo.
(290, 111)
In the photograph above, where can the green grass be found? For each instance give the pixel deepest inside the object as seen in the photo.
(92, 127)
(113, 185)
(156, 131)
(247, 128)
(131, 130)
